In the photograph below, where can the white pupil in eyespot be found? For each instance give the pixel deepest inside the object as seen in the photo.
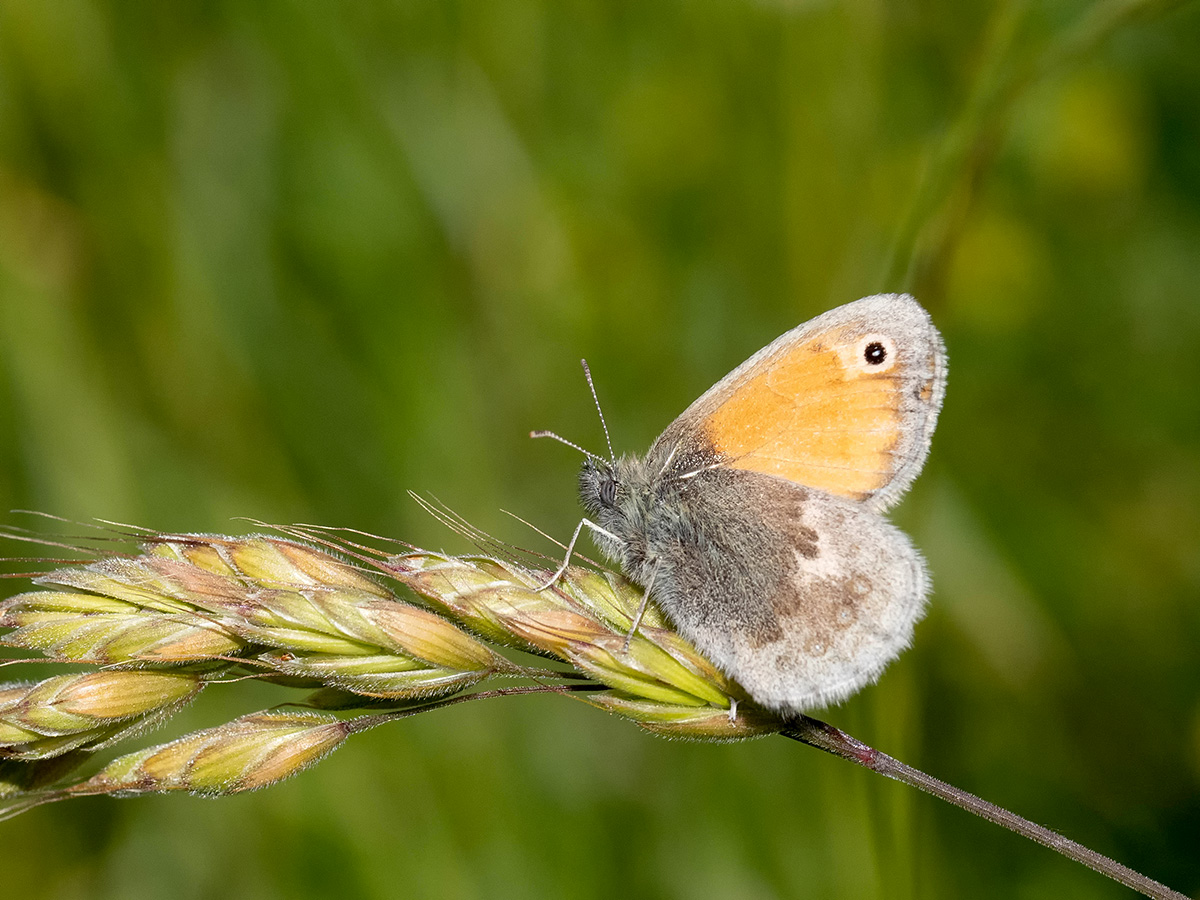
(875, 353)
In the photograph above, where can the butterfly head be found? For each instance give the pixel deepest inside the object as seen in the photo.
(599, 485)
(618, 497)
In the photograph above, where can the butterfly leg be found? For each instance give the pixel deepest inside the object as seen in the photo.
(571, 549)
(641, 611)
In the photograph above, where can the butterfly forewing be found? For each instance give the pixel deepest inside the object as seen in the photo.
(845, 403)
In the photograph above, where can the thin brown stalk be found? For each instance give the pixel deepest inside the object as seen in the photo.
(825, 737)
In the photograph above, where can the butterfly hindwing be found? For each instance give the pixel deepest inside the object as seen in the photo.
(803, 595)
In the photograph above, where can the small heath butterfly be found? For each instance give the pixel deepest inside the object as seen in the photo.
(755, 521)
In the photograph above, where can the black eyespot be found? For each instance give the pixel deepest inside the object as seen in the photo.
(875, 353)
(608, 491)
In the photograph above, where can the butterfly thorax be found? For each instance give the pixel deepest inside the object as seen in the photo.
(644, 504)
(625, 498)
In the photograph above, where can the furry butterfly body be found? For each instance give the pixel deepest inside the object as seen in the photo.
(755, 520)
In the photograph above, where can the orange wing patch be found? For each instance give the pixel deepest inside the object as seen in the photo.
(817, 415)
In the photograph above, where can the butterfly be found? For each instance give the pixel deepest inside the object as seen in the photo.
(755, 520)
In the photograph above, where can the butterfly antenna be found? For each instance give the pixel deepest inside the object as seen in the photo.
(587, 373)
(563, 440)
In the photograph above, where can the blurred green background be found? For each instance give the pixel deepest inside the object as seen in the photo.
(288, 260)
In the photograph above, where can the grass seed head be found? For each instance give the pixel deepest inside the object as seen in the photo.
(75, 627)
(67, 712)
(313, 620)
(247, 753)
(583, 619)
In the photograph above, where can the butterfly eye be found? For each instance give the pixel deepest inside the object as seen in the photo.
(608, 491)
